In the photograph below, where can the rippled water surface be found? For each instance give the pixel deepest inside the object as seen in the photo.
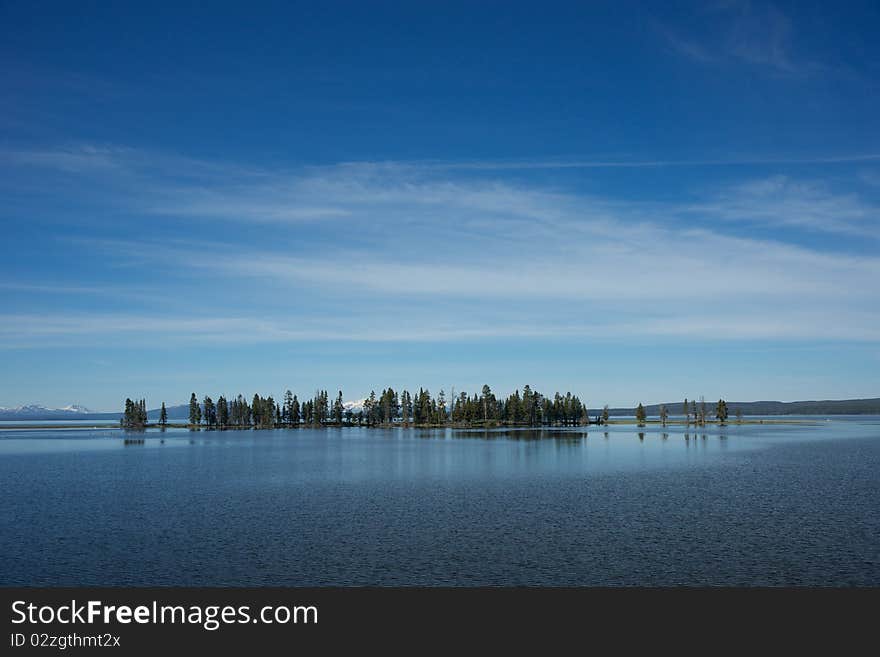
(757, 504)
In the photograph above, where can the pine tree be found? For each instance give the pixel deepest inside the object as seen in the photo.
(135, 415)
(721, 411)
(247, 413)
(516, 412)
(271, 412)
(294, 412)
(338, 409)
(369, 405)
(163, 416)
(286, 411)
(126, 419)
(222, 412)
(528, 405)
(462, 408)
(406, 407)
(640, 414)
(605, 414)
(210, 413)
(425, 406)
(487, 399)
(257, 411)
(195, 412)
(389, 403)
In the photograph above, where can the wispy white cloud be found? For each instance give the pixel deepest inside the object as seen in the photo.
(643, 270)
(420, 253)
(759, 35)
(21, 331)
(64, 289)
(686, 47)
(781, 201)
(763, 37)
(85, 158)
(407, 191)
(107, 159)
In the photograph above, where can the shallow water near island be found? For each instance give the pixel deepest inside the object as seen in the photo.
(752, 504)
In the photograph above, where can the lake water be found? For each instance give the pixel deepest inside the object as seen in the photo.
(764, 504)
(52, 423)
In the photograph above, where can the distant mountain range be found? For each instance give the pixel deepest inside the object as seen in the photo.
(76, 412)
(181, 411)
(823, 407)
(38, 412)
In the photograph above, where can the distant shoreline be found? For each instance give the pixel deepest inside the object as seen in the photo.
(831, 407)
(615, 422)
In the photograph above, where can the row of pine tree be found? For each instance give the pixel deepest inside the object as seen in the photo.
(529, 408)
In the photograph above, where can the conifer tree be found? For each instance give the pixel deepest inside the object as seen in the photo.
(127, 414)
(286, 411)
(406, 407)
(338, 409)
(294, 412)
(135, 414)
(195, 412)
(487, 400)
(210, 413)
(257, 410)
(222, 412)
(528, 405)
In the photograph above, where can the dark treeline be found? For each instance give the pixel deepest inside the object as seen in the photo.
(135, 414)
(528, 408)
(390, 407)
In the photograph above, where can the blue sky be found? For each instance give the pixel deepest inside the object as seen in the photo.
(631, 201)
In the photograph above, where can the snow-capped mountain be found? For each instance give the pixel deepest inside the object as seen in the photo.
(355, 406)
(40, 412)
(76, 408)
